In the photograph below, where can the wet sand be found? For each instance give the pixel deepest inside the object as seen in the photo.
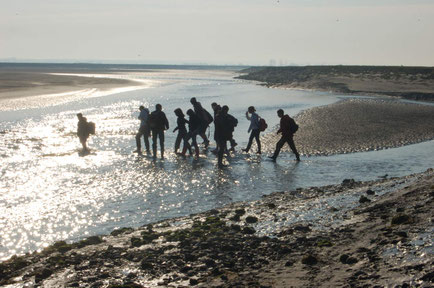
(356, 125)
(382, 235)
(17, 83)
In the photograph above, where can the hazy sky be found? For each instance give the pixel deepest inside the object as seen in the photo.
(251, 32)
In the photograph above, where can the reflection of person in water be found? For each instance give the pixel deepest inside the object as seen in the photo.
(83, 131)
(287, 135)
(143, 130)
(158, 123)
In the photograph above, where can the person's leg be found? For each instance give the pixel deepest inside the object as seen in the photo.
(203, 135)
(222, 145)
(186, 144)
(138, 140)
(146, 133)
(194, 144)
(291, 144)
(258, 141)
(154, 143)
(161, 136)
(250, 141)
(178, 141)
(279, 146)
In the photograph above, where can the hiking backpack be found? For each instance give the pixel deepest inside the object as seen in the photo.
(293, 127)
(262, 125)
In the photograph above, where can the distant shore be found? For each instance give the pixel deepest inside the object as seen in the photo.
(415, 83)
(354, 233)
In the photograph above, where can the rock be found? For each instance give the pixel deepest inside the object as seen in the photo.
(251, 219)
(364, 199)
(344, 258)
(124, 230)
(302, 228)
(309, 260)
(402, 234)
(146, 265)
(271, 205)
(400, 210)
(370, 192)
(348, 182)
(193, 281)
(428, 277)
(400, 219)
(240, 212)
(235, 218)
(288, 264)
(43, 274)
(248, 230)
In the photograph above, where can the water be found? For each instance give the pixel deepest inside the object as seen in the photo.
(48, 192)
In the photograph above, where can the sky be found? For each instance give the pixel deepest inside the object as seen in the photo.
(222, 32)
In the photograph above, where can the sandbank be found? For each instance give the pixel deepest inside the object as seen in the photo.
(355, 125)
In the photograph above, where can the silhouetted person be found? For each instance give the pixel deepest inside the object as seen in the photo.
(253, 129)
(144, 130)
(205, 119)
(216, 109)
(182, 132)
(83, 131)
(193, 125)
(233, 122)
(287, 135)
(158, 123)
(223, 127)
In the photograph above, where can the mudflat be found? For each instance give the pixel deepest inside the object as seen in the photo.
(16, 83)
(356, 125)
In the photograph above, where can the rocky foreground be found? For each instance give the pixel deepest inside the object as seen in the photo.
(355, 234)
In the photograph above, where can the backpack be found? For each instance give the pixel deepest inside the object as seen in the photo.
(208, 117)
(262, 125)
(91, 128)
(293, 127)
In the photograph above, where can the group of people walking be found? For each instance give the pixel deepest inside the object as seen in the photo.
(199, 119)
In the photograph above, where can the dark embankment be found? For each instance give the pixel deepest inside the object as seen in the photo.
(415, 83)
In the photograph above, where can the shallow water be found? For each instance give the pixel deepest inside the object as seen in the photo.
(49, 192)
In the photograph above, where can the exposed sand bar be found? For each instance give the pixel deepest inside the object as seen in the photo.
(356, 125)
(20, 88)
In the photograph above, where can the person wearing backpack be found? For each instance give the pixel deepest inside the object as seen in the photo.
(143, 130)
(232, 123)
(224, 129)
(158, 123)
(84, 129)
(287, 127)
(205, 119)
(253, 129)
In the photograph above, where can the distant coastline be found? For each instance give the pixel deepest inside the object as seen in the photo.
(413, 83)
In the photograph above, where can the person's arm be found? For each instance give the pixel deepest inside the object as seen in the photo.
(247, 115)
(166, 122)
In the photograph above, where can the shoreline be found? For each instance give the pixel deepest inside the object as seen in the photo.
(371, 227)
